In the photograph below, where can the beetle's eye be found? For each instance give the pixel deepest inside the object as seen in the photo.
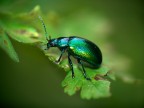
(51, 44)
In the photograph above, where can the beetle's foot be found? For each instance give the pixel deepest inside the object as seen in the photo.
(87, 78)
(73, 76)
(57, 62)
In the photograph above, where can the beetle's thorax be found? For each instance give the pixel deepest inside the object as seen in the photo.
(58, 42)
(62, 42)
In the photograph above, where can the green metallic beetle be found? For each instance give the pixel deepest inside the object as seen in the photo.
(81, 49)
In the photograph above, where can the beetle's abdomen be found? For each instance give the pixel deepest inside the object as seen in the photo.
(86, 51)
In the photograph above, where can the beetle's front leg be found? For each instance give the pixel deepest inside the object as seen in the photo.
(62, 52)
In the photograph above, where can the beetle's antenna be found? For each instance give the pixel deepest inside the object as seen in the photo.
(46, 34)
(49, 37)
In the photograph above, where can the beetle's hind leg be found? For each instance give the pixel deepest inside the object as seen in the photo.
(71, 65)
(84, 72)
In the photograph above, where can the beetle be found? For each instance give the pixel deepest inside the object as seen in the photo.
(80, 48)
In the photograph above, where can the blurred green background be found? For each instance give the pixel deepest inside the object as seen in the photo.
(29, 83)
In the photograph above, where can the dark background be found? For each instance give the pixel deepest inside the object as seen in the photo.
(30, 84)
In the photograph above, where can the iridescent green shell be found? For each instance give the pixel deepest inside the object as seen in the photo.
(85, 50)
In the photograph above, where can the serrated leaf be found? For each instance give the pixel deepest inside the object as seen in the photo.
(98, 84)
(95, 89)
(6, 45)
(24, 34)
(72, 85)
(20, 26)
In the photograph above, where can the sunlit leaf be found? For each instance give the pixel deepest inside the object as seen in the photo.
(7, 46)
(24, 34)
(96, 88)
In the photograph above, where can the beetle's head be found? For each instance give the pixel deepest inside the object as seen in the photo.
(52, 43)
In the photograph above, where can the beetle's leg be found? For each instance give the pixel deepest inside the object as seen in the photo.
(62, 51)
(71, 65)
(84, 72)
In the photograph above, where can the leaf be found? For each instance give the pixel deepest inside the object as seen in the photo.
(22, 33)
(21, 27)
(96, 88)
(29, 16)
(72, 85)
(6, 45)
(93, 27)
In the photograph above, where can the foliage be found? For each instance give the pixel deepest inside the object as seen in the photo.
(26, 28)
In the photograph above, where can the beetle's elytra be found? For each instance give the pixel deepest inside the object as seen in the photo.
(80, 48)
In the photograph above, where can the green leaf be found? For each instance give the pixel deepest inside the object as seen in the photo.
(29, 16)
(7, 46)
(99, 86)
(21, 27)
(25, 28)
(22, 33)
(96, 88)
(72, 85)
